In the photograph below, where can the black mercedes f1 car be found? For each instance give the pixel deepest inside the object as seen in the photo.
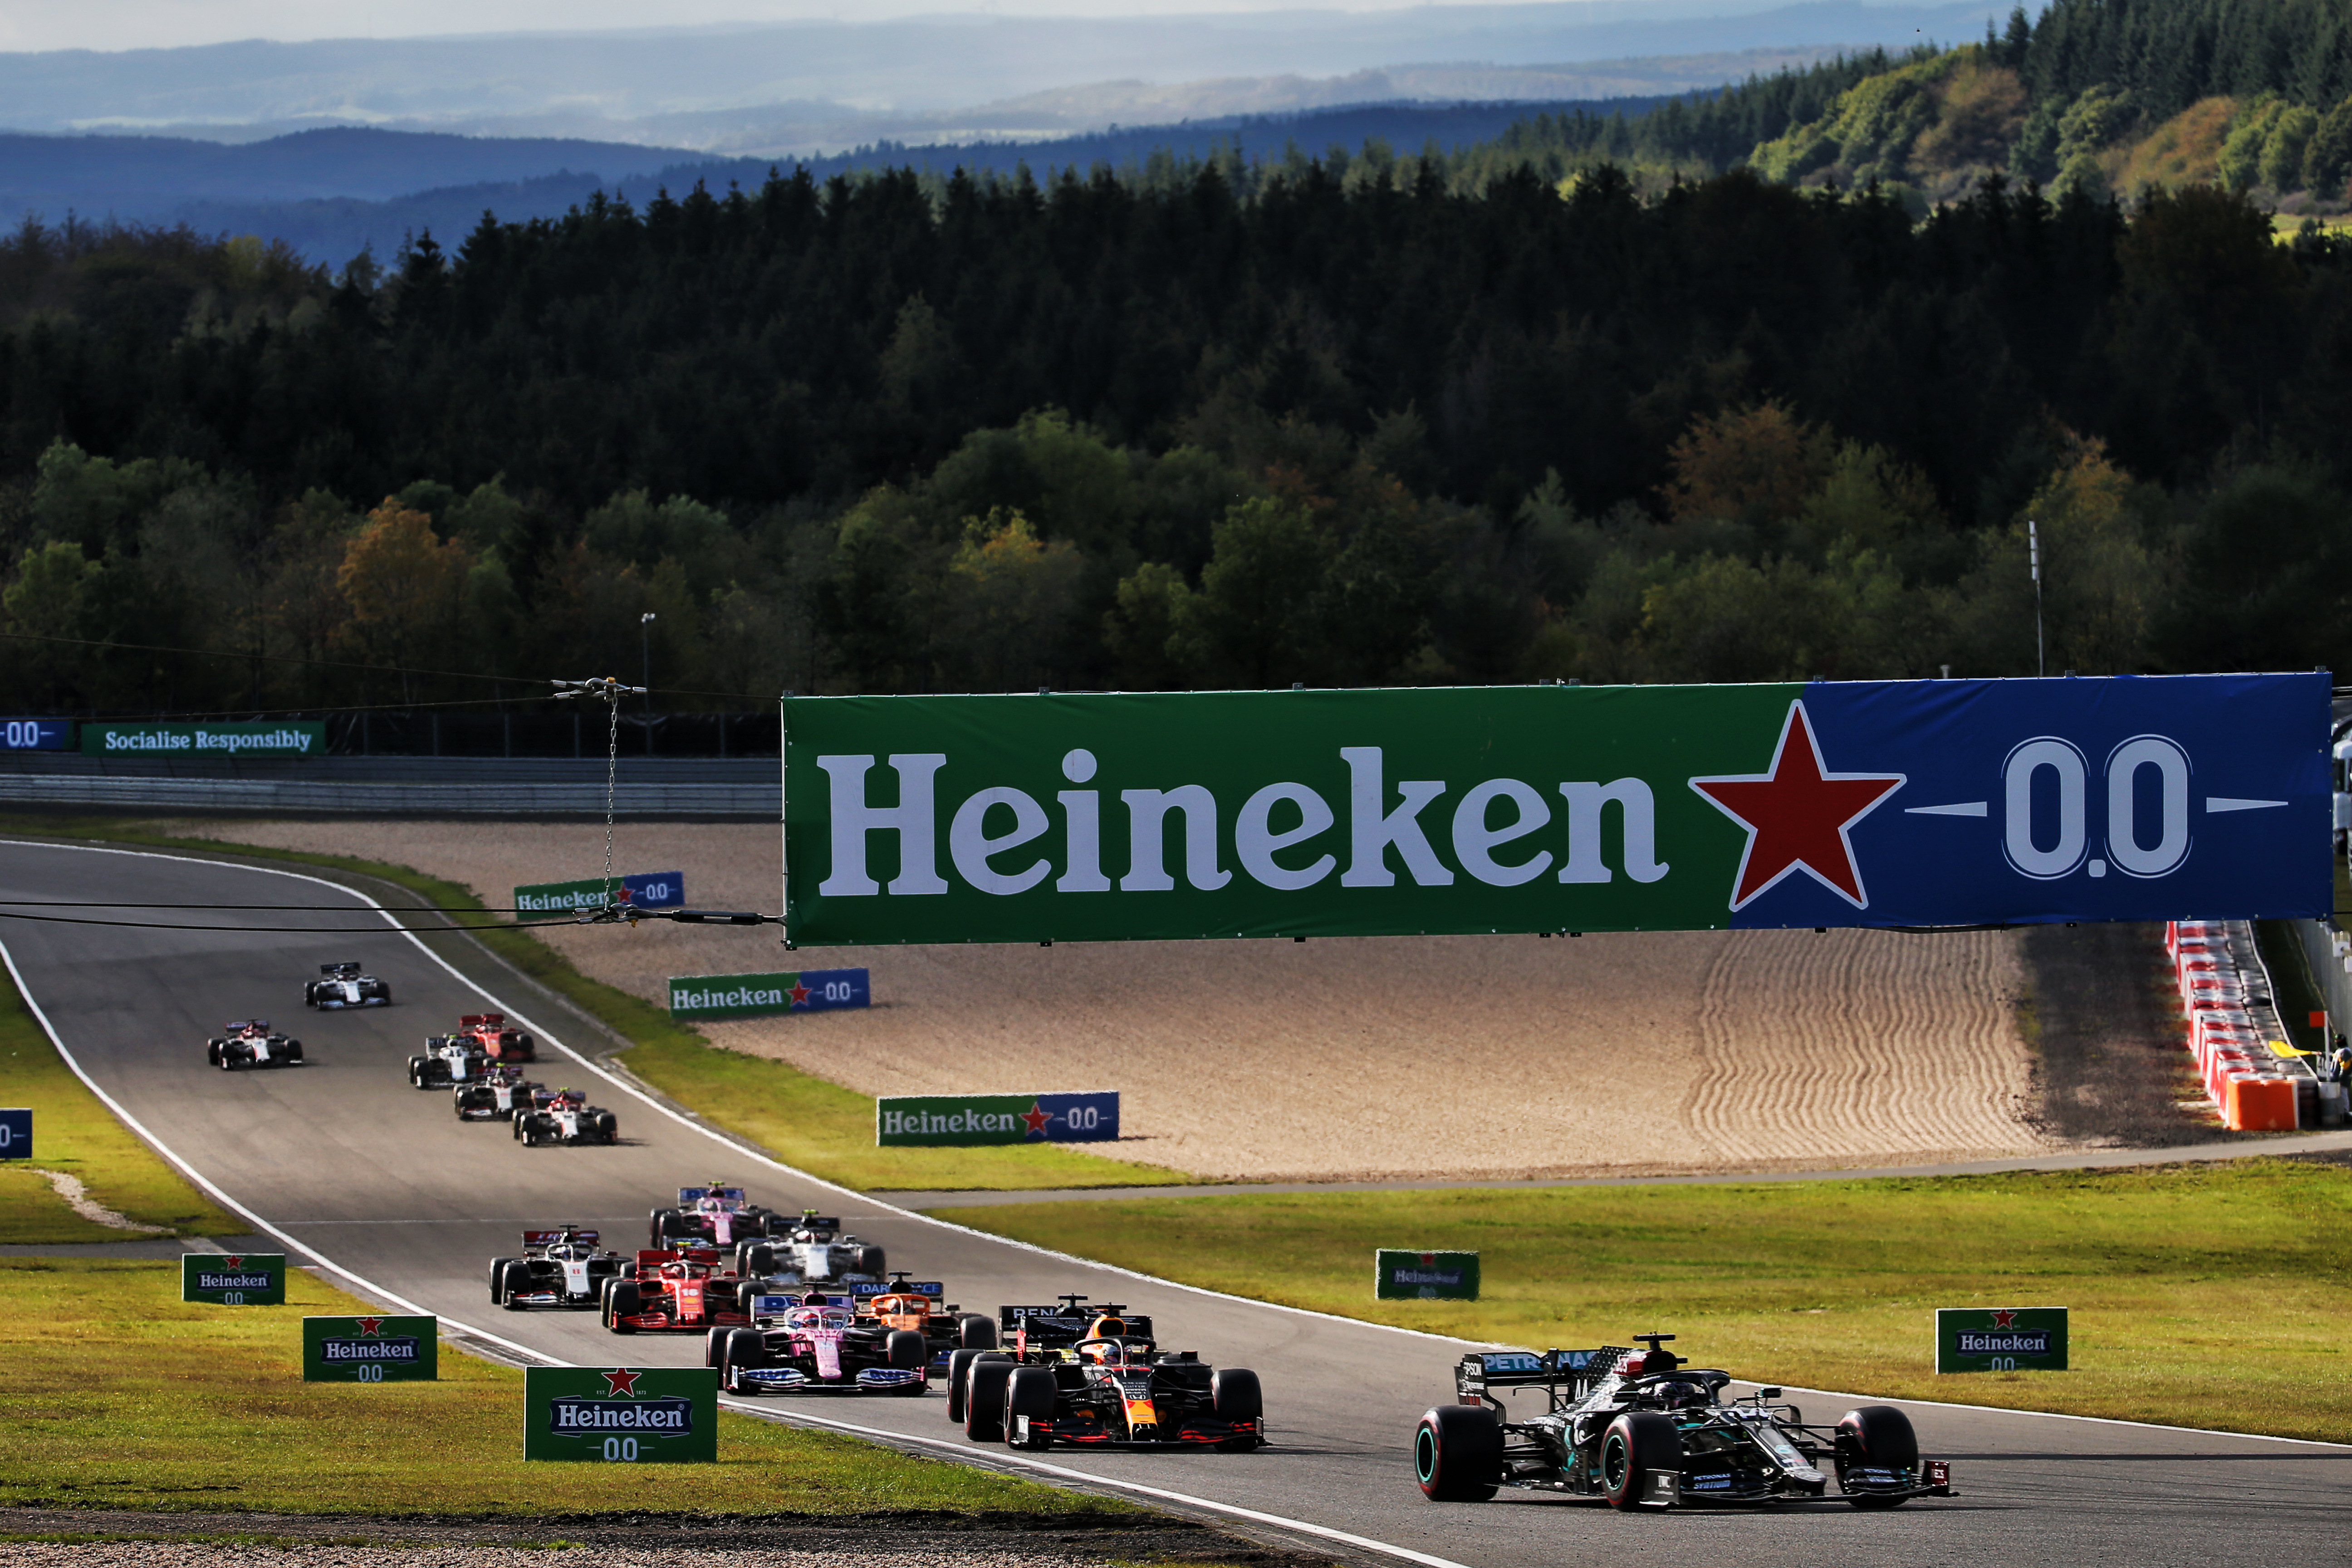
(1642, 1428)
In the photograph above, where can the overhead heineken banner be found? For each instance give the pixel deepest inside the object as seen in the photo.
(1125, 817)
(621, 1415)
(381, 1349)
(274, 737)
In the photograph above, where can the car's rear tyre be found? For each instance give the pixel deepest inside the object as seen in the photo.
(959, 1362)
(657, 1227)
(1637, 1441)
(983, 1397)
(625, 1301)
(1876, 1438)
(760, 1260)
(868, 1260)
(747, 1295)
(906, 1349)
(1457, 1453)
(1030, 1391)
(975, 1333)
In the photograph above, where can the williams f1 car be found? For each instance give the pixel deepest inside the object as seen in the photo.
(1642, 1428)
(1093, 1377)
(671, 1288)
(558, 1268)
(344, 986)
(817, 1343)
(813, 1250)
(498, 1095)
(250, 1043)
(563, 1116)
(712, 1216)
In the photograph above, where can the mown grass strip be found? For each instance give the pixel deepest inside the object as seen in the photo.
(121, 1396)
(801, 1120)
(2207, 1295)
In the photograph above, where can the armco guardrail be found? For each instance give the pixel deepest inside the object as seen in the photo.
(405, 787)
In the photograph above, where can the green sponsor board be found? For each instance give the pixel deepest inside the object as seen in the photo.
(2004, 1339)
(234, 1279)
(913, 1120)
(276, 738)
(562, 901)
(620, 1414)
(371, 1349)
(1404, 1276)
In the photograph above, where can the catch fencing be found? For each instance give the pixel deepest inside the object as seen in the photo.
(745, 788)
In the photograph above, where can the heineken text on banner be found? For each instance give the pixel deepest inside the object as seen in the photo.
(759, 995)
(1939, 803)
(2000, 1339)
(1404, 1276)
(16, 1135)
(621, 1415)
(958, 1119)
(272, 738)
(371, 1349)
(234, 1279)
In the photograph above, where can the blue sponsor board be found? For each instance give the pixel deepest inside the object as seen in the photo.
(966, 1119)
(655, 889)
(16, 1134)
(35, 734)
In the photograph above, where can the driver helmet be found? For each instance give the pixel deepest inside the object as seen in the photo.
(1682, 1394)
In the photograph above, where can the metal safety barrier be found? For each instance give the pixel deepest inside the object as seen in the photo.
(408, 797)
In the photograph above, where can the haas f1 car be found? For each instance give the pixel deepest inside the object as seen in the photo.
(558, 1268)
(344, 985)
(811, 1250)
(498, 1095)
(1093, 1377)
(817, 1343)
(712, 1216)
(1642, 1428)
(563, 1116)
(680, 1288)
(250, 1043)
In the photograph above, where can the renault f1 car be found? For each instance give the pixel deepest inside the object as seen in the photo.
(712, 1216)
(1094, 1377)
(811, 1250)
(1642, 1428)
(676, 1288)
(498, 1095)
(817, 1344)
(251, 1043)
(559, 1267)
(344, 985)
(448, 1059)
(563, 1116)
(495, 1039)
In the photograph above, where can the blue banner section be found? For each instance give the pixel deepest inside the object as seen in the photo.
(16, 1134)
(35, 734)
(1079, 1118)
(657, 890)
(1975, 802)
(834, 988)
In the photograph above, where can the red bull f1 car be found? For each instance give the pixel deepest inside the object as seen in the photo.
(559, 1267)
(1642, 1428)
(345, 985)
(563, 1116)
(251, 1043)
(817, 1344)
(1094, 1377)
(497, 1095)
(712, 1216)
(677, 1290)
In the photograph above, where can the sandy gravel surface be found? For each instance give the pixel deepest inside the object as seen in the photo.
(1483, 1056)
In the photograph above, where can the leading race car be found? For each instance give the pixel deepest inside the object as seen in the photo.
(497, 1096)
(817, 1344)
(251, 1043)
(1094, 1378)
(670, 1289)
(1645, 1429)
(559, 1267)
(563, 1116)
(813, 1251)
(712, 1216)
(344, 986)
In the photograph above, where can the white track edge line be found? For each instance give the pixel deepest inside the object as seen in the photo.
(2062, 1415)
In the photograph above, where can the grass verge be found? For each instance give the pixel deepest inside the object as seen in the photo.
(2206, 1295)
(801, 1119)
(121, 1396)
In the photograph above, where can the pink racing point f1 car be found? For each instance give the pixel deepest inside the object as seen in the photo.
(816, 1344)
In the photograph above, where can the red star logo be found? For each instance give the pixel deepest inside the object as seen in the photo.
(622, 1381)
(1796, 815)
(2003, 1320)
(1036, 1116)
(233, 1262)
(799, 993)
(371, 1325)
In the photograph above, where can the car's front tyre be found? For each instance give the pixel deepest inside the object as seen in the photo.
(1876, 1438)
(1636, 1442)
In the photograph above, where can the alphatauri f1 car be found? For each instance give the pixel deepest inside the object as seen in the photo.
(563, 1116)
(817, 1343)
(811, 1250)
(250, 1043)
(344, 985)
(1642, 1428)
(712, 1216)
(499, 1094)
(559, 1267)
(1094, 1377)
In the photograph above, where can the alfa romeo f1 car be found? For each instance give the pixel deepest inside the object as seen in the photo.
(1642, 1428)
(563, 1116)
(1094, 1377)
(813, 1251)
(712, 1216)
(345, 986)
(558, 1268)
(250, 1043)
(497, 1095)
(817, 1343)
(676, 1288)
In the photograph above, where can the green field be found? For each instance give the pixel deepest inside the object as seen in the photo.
(120, 1396)
(2206, 1295)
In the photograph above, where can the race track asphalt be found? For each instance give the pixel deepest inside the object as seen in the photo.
(381, 1180)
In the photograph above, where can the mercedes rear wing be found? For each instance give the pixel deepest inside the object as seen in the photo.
(1568, 1375)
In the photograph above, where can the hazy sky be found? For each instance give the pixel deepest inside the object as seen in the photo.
(161, 23)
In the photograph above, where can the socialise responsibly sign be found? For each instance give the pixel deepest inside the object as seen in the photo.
(1944, 802)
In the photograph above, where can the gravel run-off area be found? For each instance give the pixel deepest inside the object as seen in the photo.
(1486, 1056)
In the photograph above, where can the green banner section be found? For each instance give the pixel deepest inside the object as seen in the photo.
(273, 738)
(562, 901)
(621, 1415)
(2005, 1339)
(371, 1349)
(912, 1119)
(1400, 1275)
(234, 1279)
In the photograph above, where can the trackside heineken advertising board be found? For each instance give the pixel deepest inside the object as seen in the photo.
(961, 1119)
(274, 737)
(1408, 1275)
(371, 1349)
(1942, 803)
(560, 901)
(16, 1135)
(2000, 1339)
(621, 1415)
(234, 1279)
(761, 995)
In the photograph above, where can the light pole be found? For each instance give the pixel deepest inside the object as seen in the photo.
(2033, 555)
